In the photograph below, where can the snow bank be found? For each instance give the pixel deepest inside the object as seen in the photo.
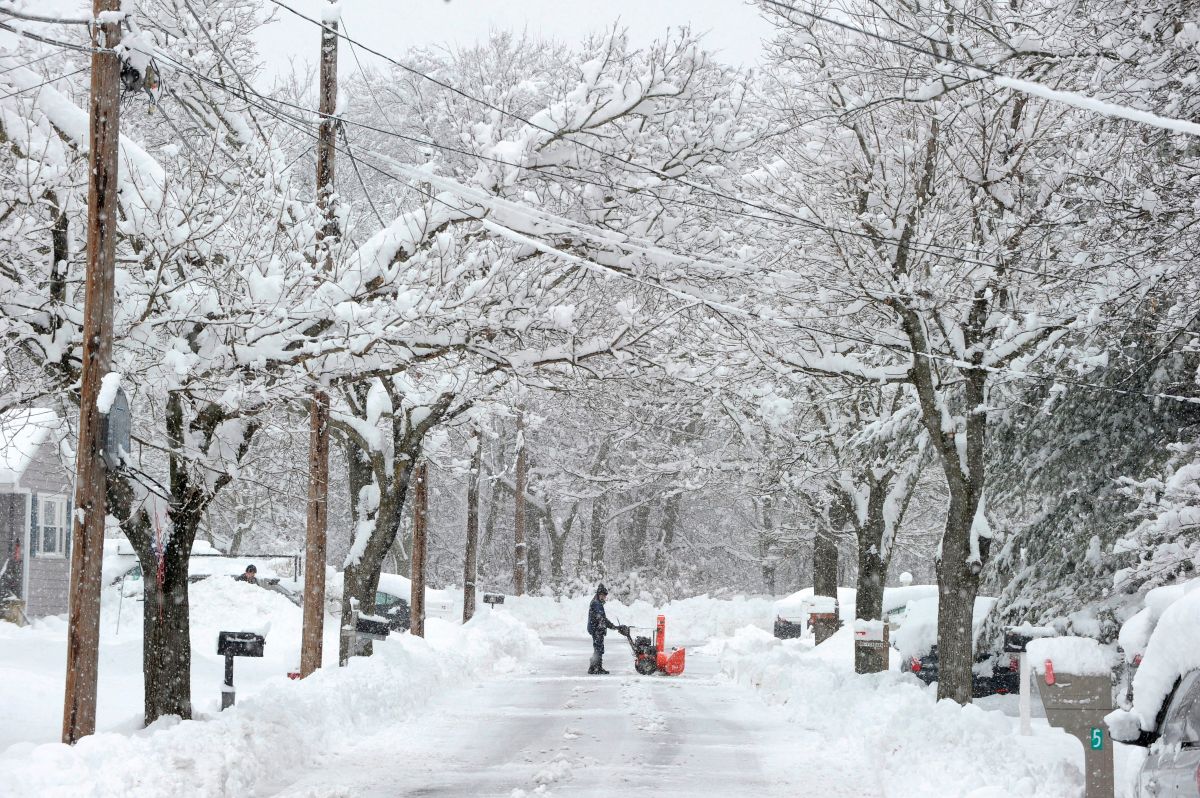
(688, 620)
(890, 733)
(276, 731)
(277, 724)
(1081, 656)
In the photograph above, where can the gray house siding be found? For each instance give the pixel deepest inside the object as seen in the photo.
(48, 578)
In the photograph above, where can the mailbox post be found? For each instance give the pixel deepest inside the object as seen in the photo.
(493, 599)
(1016, 639)
(1077, 694)
(236, 644)
(361, 629)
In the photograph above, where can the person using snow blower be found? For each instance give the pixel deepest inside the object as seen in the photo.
(598, 625)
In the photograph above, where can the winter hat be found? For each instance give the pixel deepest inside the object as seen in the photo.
(251, 569)
(602, 590)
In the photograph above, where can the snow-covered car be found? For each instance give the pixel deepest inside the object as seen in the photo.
(1172, 765)
(791, 613)
(1164, 715)
(1135, 633)
(916, 640)
(394, 590)
(438, 603)
(395, 609)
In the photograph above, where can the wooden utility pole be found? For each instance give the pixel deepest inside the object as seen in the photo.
(318, 451)
(420, 542)
(470, 561)
(522, 477)
(83, 621)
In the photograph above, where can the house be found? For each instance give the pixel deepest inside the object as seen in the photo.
(36, 490)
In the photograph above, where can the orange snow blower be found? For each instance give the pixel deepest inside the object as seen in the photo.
(651, 656)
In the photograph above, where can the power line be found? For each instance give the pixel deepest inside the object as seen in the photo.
(796, 219)
(722, 306)
(679, 293)
(26, 16)
(1007, 81)
(44, 83)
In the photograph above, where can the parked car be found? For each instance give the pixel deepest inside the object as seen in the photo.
(791, 613)
(916, 640)
(393, 600)
(989, 676)
(1164, 715)
(395, 609)
(1172, 765)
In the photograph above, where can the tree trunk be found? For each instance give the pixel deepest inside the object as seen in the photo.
(533, 558)
(958, 585)
(670, 525)
(470, 560)
(558, 547)
(825, 582)
(490, 559)
(361, 577)
(596, 547)
(638, 529)
(872, 573)
(166, 622)
(597, 534)
(519, 544)
(419, 548)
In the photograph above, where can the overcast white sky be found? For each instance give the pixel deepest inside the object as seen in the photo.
(731, 27)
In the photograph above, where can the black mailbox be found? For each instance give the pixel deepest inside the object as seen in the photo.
(240, 644)
(1017, 638)
(493, 598)
(236, 644)
(372, 628)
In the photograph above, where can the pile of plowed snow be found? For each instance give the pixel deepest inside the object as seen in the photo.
(277, 725)
(889, 730)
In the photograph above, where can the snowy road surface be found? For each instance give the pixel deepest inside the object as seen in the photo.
(557, 731)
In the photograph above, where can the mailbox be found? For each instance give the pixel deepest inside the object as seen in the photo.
(236, 644)
(1077, 694)
(870, 646)
(240, 644)
(1017, 638)
(372, 627)
(493, 599)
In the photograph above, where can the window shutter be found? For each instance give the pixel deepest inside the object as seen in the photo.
(68, 528)
(35, 531)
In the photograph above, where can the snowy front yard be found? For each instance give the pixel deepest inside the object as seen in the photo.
(487, 709)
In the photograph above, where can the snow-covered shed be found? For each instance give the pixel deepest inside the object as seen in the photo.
(36, 491)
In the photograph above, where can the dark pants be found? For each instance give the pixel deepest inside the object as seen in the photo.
(597, 652)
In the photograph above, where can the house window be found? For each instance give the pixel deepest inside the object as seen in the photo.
(52, 526)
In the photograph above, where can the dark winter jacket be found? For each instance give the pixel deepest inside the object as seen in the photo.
(598, 623)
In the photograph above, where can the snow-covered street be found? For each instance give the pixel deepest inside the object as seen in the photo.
(554, 730)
